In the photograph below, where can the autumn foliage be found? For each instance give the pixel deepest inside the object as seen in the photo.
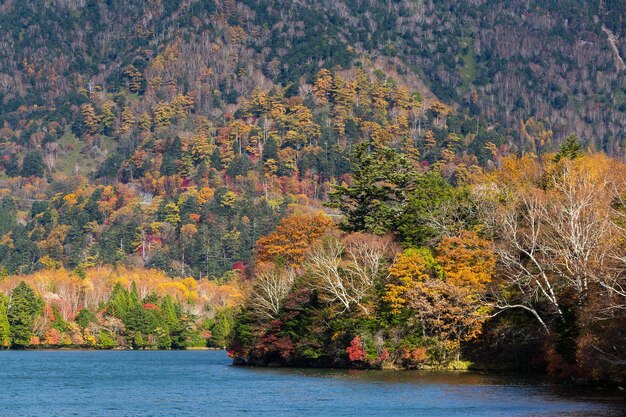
(292, 239)
(104, 307)
(533, 249)
(355, 351)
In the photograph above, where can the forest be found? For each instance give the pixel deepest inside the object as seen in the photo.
(362, 184)
(105, 308)
(520, 267)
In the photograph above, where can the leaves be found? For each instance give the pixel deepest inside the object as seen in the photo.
(467, 261)
(409, 269)
(24, 306)
(292, 238)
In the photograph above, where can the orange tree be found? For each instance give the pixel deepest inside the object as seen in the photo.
(291, 239)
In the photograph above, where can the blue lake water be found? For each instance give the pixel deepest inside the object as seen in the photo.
(202, 383)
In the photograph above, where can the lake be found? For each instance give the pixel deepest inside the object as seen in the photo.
(202, 383)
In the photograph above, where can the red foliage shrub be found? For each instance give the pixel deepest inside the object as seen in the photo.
(48, 312)
(414, 357)
(298, 299)
(239, 266)
(235, 350)
(355, 350)
(77, 339)
(273, 343)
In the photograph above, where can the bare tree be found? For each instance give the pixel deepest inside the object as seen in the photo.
(269, 291)
(346, 271)
(558, 240)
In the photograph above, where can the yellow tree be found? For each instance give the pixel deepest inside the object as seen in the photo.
(145, 122)
(303, 129)
(323, 85)
(239, 133)
(447, 313)
(259, 104)
(363, 87)
(381, 95)
(205, 194)
(201, 149)
(441, 111)
(128, 119)
(224, 141)
(107, 117)
(402, 98)
(90, 119)
(135, 79)
(162, 115)
(429, 139)
(467, 260)
(343, 92)
(182, 105)
(410, 267)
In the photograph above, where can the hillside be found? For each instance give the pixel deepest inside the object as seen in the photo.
(505, 61)
(175, 134)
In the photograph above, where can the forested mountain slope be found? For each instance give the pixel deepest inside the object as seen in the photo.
(505, 61)
(175, 134)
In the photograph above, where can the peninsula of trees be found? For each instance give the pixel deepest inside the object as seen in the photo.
(519, 266)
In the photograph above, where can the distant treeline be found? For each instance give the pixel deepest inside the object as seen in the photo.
(105, 308)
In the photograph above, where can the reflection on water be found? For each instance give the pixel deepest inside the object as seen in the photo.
(403, 377)
(465, 385)
(204, 383)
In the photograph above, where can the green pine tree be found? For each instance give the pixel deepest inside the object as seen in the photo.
(570, 149)
(5, 331)
(168, 310)
(84, 318)
(376, 199)
(23, 308)
(119, 302)
(33, 165)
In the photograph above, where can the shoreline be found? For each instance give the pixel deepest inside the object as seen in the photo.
(473, 368)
